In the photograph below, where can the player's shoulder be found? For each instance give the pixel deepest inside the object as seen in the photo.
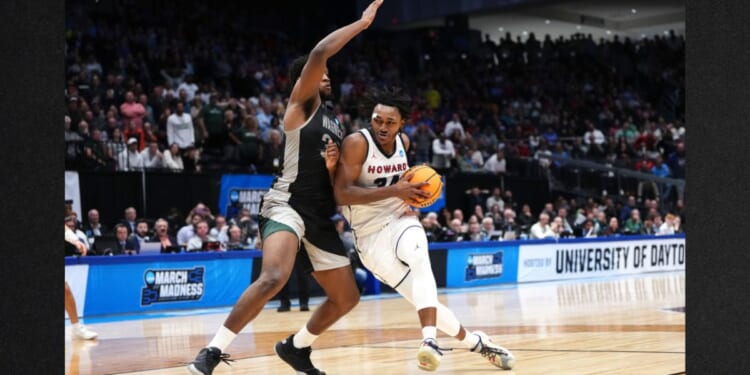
(404, 136)
(356, 137)
(299, 112)
(355, 143)
(404, 139)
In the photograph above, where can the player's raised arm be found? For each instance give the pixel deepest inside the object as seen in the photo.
(307, 86)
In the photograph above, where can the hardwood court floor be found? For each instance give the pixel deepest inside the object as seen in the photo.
(628, 325)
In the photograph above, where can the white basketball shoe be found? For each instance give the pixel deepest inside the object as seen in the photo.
(429, 355)
(496, 354)
(81, 332)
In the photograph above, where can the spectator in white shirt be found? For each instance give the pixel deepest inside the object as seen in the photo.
(172, 158)
(593, 135)
(442, 152)
(668, 226)
(453, 126)
(152, 157)
(557, 227)
(541, 229)
(495, 199)
(130, 159)
(188, 231)
(477, 159)
(189, 86)
(219, 231)
(201, 236)
(71, 222)
(496, 163)
(180, 128)
(542, 155)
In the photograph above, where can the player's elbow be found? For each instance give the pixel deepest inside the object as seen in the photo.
(342, 197)
(319, 53)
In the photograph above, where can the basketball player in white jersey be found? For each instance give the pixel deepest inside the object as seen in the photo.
(298, 208)
(388, 235)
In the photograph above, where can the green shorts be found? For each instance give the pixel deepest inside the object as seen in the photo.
(269, 226)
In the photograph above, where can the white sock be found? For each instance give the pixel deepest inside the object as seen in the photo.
(75, 326)
(470, 340)
(429, 332)
(303, 338)
(223, 338)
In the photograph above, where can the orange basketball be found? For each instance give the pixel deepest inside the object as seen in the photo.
(424, 173)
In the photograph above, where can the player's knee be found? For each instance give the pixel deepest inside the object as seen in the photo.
(412, 247)
(271, 281)
(346, 299)
(351, 300)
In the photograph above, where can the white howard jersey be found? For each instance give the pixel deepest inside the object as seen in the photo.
(378, 170)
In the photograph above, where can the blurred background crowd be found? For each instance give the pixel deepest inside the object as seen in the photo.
(195, 87)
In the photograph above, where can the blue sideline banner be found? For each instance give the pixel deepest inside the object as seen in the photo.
(600, 257)
(242, 190)
(476, 266)
(166, 285)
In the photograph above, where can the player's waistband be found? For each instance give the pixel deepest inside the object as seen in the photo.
(375, 228)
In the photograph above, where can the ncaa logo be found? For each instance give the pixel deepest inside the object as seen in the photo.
(234, 196)
(484, 266)
(150, 277)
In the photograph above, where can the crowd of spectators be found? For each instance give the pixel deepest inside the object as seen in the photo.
(222, 90)
(200, 90)
(198, 230)
(486, 216)
(497, 216)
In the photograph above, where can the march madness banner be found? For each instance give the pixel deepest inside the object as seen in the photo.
(167, 282)
(478, 266)
(242, 190)
(600, 257)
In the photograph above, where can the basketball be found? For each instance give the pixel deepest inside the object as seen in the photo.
(424, 173)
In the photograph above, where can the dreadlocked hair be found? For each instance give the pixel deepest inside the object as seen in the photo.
(389, 96)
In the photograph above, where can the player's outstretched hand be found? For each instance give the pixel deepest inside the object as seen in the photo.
(332, 155)
(369, 13)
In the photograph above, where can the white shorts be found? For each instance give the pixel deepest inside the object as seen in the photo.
(322, 244)
(383, 252)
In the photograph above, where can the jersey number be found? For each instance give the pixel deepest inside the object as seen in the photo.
(382, 181)
(325, 140)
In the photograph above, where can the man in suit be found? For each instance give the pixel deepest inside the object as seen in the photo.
(94, 228)
(125, 244)
(129, 220)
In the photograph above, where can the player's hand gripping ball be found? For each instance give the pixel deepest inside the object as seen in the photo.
(424, 173)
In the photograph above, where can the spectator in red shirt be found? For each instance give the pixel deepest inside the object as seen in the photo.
(132, 111)
(644, 165)
(134, 131)
(644, 141)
